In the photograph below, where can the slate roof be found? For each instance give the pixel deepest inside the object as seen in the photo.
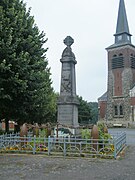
(122, 28)
(122, 22)
(103, 97)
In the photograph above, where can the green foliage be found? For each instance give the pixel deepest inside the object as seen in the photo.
(107, 136)
(26, 94)
(101, 127)
(1, 132)
(43, 133)
(94, 112)
(84, 111)
(102, 133)
(85, 134)
(87, 112)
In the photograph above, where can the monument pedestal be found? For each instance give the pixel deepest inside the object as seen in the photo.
(68, 112)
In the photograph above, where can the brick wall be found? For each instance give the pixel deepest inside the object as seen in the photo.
(132, 101)
(11, 126)
(102, 109)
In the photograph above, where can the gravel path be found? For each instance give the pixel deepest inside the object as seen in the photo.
(36, 167)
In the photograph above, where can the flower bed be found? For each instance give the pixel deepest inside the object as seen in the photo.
(107, 148)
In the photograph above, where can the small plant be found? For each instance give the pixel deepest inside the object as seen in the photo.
(1, 132)
(85, 134)
(43, 133)
(104, 136)
(103, 131)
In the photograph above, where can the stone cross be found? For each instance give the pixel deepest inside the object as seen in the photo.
(68, 41)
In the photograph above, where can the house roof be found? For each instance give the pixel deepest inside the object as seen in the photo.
(103, 97)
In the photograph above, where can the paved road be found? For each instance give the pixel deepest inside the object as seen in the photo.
(35, 167)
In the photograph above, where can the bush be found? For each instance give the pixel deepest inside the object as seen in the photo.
(85, 134)
(103, 131)
(1, 132)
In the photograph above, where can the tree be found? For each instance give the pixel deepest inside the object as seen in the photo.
(94, 111)
(84, 111)
(25, 85)
(87, 112)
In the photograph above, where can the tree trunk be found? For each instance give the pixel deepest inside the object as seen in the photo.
(17, 128)
(6, 126)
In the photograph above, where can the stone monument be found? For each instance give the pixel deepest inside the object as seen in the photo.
(68, 101)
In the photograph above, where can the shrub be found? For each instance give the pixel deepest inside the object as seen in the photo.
(85, 134)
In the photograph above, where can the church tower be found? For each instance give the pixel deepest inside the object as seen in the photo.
(117, 105)
(121, 71)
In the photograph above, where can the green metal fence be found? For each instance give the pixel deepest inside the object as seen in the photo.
(66, 146)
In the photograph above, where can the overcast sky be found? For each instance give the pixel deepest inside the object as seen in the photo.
(91, 23)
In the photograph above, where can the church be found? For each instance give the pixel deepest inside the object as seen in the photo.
(117, 105)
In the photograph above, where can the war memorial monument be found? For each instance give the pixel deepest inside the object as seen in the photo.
(68, 101)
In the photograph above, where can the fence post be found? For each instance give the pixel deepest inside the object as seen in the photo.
(9, 139)
(1, 141)
(49, 148)
(64, 147)
(34, 145)
(125, 138)
(115, 153)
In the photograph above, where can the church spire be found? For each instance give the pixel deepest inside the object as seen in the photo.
(122, 35)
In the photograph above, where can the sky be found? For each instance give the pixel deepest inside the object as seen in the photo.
(92, 24)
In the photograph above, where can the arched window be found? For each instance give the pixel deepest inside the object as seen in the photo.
(116, 110)
(121, 110)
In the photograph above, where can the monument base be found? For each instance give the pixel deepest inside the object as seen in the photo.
(68, 115)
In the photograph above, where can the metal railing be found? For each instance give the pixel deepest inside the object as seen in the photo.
(66, 146)
(119, 143)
